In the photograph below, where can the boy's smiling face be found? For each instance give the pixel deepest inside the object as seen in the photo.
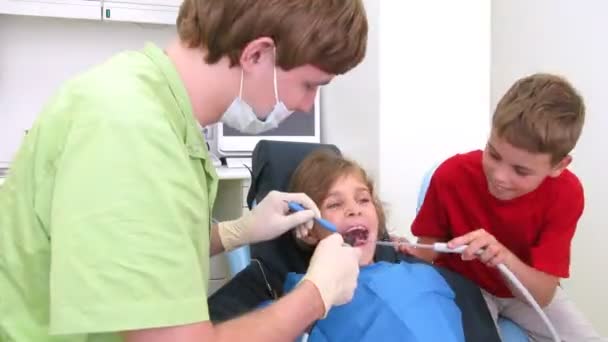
(512, 172)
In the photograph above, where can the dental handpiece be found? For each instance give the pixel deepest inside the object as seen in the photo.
(440, 247)
(293, 206)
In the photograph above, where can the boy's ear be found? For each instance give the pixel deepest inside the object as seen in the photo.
(561, 166)
(255, 50)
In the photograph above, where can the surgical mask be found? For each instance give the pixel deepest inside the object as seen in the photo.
(240, 114)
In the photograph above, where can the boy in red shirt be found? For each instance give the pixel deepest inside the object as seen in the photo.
(517, 201)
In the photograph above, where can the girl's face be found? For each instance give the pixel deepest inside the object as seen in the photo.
(350, 206)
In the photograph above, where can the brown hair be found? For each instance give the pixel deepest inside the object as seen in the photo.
(541, 113)
(321, 169)
(329, 34)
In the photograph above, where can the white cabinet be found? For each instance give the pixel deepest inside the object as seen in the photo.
(136, 11)
(167, 3)
(77, 9)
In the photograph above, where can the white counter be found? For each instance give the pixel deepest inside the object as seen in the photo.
(232, 172)
(222, 172)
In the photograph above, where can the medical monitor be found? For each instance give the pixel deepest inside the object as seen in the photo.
(299, 126)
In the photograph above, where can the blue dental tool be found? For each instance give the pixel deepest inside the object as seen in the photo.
(293, 206)
(349, 240)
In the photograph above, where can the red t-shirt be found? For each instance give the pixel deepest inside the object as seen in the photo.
(537, 227)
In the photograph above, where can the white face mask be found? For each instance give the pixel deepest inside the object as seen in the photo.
(240, 114)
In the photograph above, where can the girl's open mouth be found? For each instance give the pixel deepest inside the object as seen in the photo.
(356, 236)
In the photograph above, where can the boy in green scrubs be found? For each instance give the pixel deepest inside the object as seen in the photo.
(105, 230)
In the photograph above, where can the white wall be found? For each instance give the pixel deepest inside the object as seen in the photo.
(567, 37)
(351, 103)
(38, 54)
(434, 100)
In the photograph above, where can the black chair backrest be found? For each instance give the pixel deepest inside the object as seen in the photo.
(273, 164)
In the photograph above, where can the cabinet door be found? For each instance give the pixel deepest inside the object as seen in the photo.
(137, 13)
(171, 3)
(77, 9)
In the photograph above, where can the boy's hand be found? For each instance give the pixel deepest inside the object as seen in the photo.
(404, 248)
(483, 246)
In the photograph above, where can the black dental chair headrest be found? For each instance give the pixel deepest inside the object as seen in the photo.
(273, 164)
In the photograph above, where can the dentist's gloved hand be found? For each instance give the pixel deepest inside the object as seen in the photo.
(334, 269)
(269, 219)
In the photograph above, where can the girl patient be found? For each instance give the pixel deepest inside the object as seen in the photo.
(397, 298)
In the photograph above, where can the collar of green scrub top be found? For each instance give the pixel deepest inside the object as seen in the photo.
(194, 138)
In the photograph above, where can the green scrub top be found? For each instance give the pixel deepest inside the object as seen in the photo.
(105, 215)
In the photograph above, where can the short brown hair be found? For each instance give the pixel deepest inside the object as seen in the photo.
(541, 113)
(329, 34)
(321, 169)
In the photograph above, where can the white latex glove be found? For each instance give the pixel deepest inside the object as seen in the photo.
(269, 219)
(334, 269)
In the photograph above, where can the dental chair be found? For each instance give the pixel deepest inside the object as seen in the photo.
(273, 165)
(509, 331)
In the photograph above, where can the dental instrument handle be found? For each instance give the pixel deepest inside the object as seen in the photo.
(439, 247)
(293, 206)
(326, 224)
(390, 243)
(442, 247)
